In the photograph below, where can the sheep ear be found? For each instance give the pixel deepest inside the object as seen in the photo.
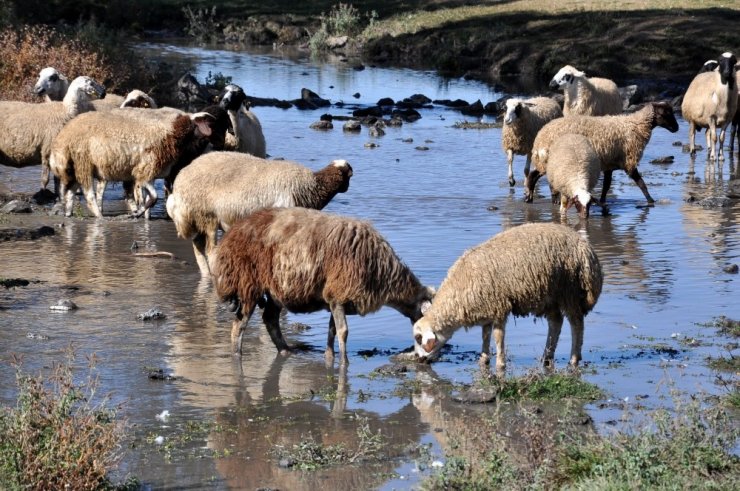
(425, 306)
(203, 122)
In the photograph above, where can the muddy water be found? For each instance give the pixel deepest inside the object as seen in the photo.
(229, 418)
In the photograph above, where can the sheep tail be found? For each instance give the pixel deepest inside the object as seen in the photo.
(591, 278)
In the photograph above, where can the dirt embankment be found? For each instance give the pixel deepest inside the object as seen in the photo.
(659, 49)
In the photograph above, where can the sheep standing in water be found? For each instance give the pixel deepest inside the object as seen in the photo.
(219, 188)
(306, 260)
(539, 268)
(587, 96)
(248, 136)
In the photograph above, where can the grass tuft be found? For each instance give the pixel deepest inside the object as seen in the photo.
(536, 385)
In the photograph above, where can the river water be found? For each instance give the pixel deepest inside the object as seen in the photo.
(663, 266)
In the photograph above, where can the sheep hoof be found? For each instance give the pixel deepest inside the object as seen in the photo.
(512, 182)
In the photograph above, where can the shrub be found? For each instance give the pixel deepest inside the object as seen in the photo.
(90, 50)
(60, 435)
(201, 23)
(342, 20)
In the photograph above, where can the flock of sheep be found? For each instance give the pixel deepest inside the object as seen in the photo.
(279, 251)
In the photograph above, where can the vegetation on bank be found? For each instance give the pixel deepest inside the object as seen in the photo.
(61, 434)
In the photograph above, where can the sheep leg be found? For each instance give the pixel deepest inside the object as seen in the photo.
(498, 336)
(150, 199)
(692, 135)
(92, 202)
(44, 174)
(713, 135)
(340, 321)
(529, 184)
(564, 202)
(69, 197)
(131, 196)
(554, 196)
(510, 161)
(201, 257)
(554, 325)
(527, 165)
(240, 324)
(607, 183)
(329, 352)
(576, 333)
(99, 191)
(485, 354)
(721, 155)
(271, 318)
(635, 175)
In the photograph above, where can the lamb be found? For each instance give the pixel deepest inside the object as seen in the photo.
(573, 169)
(129, 144)
(559, 274)
(248, 136)
(306, 260)
(619, 142)
(522, 121)
(587, 96)
(710, 102)
(27, 130)
(219, 188)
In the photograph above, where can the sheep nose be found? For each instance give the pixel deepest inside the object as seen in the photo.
(39, 90)
(553, 84)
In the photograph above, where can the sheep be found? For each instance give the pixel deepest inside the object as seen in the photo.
(736, 119)
(128, 144)
(587, 96)
(559, 274)
(248, 136)
(219, 188)
(138, 98)
(27, 130)
(619, 142)
(522, 120)
(573, 169)
(710, 102)
(306, 260)
(51, 84)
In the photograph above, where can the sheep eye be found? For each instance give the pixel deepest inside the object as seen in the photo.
(568, 77)
(54, 77)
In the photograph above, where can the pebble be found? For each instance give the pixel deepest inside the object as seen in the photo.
(151, 314)
(63, 305)
(731, 269)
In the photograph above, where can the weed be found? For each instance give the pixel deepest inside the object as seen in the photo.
(60, 435)
(201, 23)
(343, 19)
(539, 386)
(217, 81)
(725, 325)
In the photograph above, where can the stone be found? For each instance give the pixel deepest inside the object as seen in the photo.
(16, 206)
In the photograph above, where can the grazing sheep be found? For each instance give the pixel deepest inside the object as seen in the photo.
(27, 130)
(710, 102)
(572, 170)
(619, 142)
(130, 144)
(587, 96)
(248, 137)
(522, 121)
(306, 260)
(219, 188)
(543, 269)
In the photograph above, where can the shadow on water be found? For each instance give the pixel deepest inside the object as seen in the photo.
(663, 267)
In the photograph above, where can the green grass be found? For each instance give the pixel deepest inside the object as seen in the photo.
(542, 387)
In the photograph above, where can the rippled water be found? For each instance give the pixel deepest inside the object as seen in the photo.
(663, 275)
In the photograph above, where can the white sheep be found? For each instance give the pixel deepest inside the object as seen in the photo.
(27, 129)
(130, 144)
(306, 260)
(619, 142)
(139, 98)
(219, 188)
(573, 168)
(587, 96)
(53, 86)
(543, 269)
(248, 136)
(710, 102)
(522, 120)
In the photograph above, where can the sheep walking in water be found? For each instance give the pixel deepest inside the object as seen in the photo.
(306, 260)
(619, 142)
(543, 269)
(219, 188)
(248, 136)
(587, 96)
(523, 119)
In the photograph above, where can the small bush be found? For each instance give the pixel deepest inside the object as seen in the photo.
(201, 23)
(60, 435)
(217, 81)
(342, 20)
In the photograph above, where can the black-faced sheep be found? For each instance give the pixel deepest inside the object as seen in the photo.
(522, 120)
(306, 260)
(137, 145)
(219, 188)
(543, 269)
(248, 136)
(619, 142)
(27, 130)
(587, 96)
(573, 168)
(711, 102)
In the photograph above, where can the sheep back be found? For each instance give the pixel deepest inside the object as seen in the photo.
(596, 97)
(250, 139)
(519, 135)
(529, 269)
(306, 259)
(27, 131)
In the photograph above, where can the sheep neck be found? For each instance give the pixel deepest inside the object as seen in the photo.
(329, 181)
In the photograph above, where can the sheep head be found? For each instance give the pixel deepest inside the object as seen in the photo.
(565, 76)
(138, 98)
(232, 97)
(346, 171)
(709, 66)
(51, 83)
(727, 69)
(582, 201)
(427, 342)
(663, 116)
(88, 86)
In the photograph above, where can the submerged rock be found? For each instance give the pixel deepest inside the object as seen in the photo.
(64, 305)
(352, 126)
(16, 206)
(476, 395)
(151, 314)
(715, 202)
